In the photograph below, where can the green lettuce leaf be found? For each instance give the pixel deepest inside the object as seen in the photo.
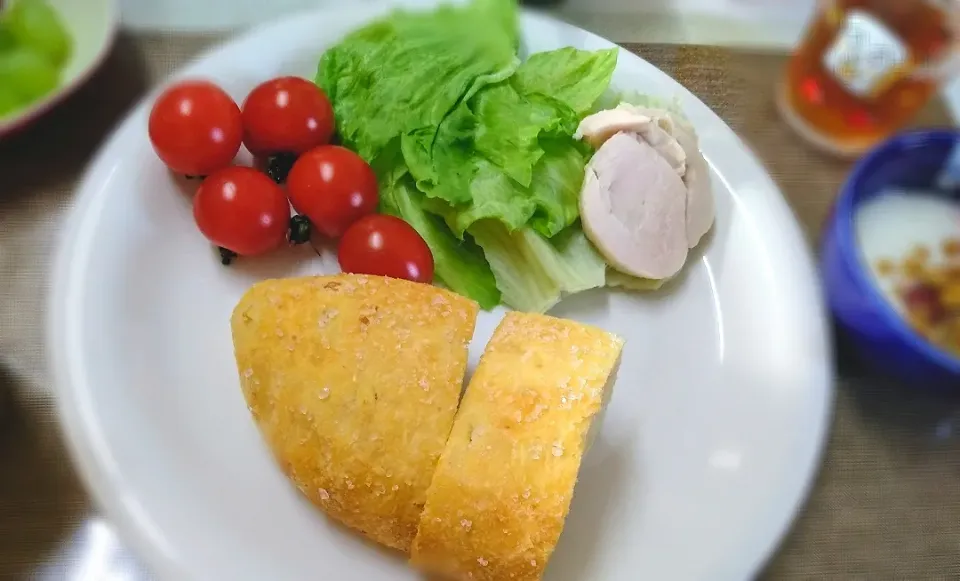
(568, 258)
(555, 187)
(574, 77)
(443, 160)
(409, 70)
(495, 196)
(460, 184)
(615, 278)
(509, 156)
(504, 14)
(490, 164)
(508, 128)
(534, 273)
(458, 264)
(523, 284)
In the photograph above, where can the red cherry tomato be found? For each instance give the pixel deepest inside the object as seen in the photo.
(286, 115)
(333, 187)
(386, 246)
(242, 210)
(195, 128)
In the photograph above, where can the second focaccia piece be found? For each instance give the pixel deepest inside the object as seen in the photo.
(503, 486)
(354, 382)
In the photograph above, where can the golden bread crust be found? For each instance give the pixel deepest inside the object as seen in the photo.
(502, 489)
(354, 382)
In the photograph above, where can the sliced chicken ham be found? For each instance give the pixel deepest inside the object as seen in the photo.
(675, 142)
(599, 127)
(700, 204)
(633, 207)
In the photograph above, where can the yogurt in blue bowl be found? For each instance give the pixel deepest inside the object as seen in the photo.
(889, 252)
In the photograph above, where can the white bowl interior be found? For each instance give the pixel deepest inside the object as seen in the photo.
(890, 227)
(91, 23)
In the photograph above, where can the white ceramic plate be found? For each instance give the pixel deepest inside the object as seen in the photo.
(709, 445)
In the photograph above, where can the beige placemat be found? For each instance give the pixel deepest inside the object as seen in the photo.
(886, 505)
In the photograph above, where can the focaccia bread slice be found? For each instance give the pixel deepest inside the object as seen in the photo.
(354, 382)
(505, 480)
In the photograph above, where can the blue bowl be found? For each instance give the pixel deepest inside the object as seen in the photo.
(877, 334)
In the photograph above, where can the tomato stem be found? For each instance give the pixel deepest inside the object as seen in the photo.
(226, 256)
(279, 165)
(299, 229)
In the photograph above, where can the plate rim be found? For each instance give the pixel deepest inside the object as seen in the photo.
(89, 451)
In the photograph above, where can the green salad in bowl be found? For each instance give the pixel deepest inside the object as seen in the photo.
(34, 47)
(47, 48)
